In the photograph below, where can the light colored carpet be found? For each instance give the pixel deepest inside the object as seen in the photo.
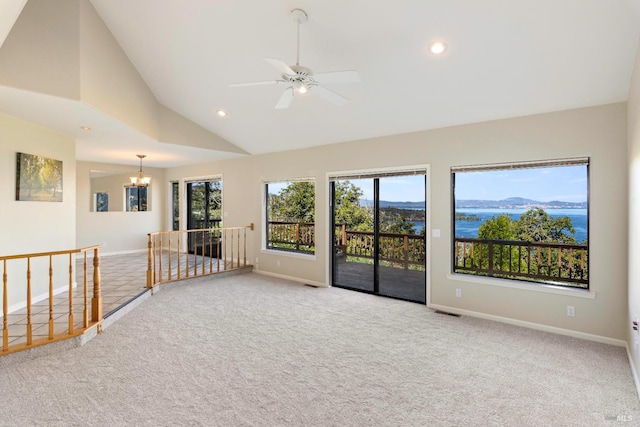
(249, 350)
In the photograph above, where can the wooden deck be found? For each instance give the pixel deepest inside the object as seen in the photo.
(393, 282)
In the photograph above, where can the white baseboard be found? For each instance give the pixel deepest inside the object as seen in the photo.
(634, 373)
(103, 254)
(531, 325)
(294, 279)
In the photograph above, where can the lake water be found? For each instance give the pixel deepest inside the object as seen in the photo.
(470, 228)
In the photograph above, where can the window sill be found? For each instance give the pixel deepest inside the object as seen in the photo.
(299, 255)
(514, 284)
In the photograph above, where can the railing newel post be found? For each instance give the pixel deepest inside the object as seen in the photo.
(149, 273)
(96, 301)
(5, 308)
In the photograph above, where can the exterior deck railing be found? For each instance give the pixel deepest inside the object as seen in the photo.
(37, 268)
(557, 263)
(398, 250)
(295, 236)
(184, 254)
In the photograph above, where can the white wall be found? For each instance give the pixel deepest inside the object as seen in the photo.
(598, 133)
(633, 302)
(118, 232)
(30, 227)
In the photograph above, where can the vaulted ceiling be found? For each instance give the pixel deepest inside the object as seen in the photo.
(504, 59)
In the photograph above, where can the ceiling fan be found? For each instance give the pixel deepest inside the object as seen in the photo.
(301, 79)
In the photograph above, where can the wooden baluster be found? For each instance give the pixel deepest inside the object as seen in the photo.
(570, 260)
(298, 238)
(170, 273)
(157, 256)
(464, 254)
(29, 326)
(85, 291)
(219, 249)
(71, 294)
(96, 301)
(179, 262)
(238, 262)
(406, 252)
(245, 248)
(210, 232)
(5, 308)
(232, 253)
(224, 249)
(203, 250)
(559, 261)
(51, 329)
(149, 273)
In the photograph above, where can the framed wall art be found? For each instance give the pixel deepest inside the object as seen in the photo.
(38, 179)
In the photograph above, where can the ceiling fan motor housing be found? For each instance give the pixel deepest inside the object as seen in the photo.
(302, 75)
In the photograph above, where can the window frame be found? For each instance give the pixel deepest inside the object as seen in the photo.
(140, 204)
(266, 247)
(514, 280)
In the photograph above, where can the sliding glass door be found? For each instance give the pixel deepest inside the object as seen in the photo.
(204, 211)
(379, 234)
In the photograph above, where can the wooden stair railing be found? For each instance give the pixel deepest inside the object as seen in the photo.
(184, 254)
(14, 338)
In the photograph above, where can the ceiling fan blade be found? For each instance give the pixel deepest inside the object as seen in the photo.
(329, 95)
(269, 82)
(280, 66)
(347, 76)
(285, 99)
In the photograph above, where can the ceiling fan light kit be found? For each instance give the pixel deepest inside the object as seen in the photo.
(301, 79)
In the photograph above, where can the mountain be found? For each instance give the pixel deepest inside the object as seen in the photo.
(508, 203)
(518, 203)
(398, 205)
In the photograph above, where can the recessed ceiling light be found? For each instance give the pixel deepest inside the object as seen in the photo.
(85, 128)
(438, 47)
(222, 113)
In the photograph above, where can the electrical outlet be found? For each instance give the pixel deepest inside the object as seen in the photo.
(459, 293)
(571, 311)
(278, 263)
(256, 260)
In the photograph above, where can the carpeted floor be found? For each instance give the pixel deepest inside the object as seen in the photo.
(249, 350)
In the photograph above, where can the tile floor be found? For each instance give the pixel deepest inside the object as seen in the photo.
(123, 278)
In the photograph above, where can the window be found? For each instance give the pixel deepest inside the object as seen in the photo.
(101, 202)
(135, 198)
(290, 214)
(525, 221)
(175, 205)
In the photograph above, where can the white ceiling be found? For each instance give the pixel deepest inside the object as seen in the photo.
(505, 59)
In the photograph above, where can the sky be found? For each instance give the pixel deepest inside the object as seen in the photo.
(563, 183)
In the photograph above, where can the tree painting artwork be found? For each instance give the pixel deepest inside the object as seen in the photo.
(38, 178)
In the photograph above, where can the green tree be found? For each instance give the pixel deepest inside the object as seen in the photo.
(501, 227)
(348, 209)
(294, 203)
(535, 225)
(51, 174)
(398, 224)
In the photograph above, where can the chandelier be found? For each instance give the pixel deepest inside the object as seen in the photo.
(140, 180)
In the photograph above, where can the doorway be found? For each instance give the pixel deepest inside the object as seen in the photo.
(204, 211)
(379, 234)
